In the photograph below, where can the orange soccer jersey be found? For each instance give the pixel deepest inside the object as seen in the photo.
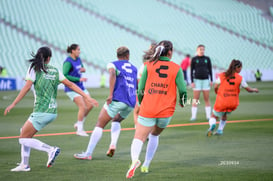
(227, 98)
(159, 99)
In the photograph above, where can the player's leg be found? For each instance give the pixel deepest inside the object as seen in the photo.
(105, 116)
(103, 119)
(222, 124)
(196, 96)
(136, 111)
(115, 132)
(152, 145)
(27, 131)
(143, 129)
(82, 109)
(212, 122)
(88, 105)
(35, 123)
(123, 112)
(207, 103)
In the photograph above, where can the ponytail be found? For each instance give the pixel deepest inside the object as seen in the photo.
(71, 47)
(160, 49)
(38, 60)
(232, 67)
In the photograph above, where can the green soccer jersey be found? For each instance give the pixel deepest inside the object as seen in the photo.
(45, 88)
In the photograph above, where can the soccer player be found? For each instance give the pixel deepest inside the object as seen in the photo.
(45, 79)
(72, 70)
(146, 57)
(185, 63)
(227, 88)
(157, 97)
(201, 78)
(120, 102)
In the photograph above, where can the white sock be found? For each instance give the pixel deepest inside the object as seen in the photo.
(136, 149)
(80, 125)
(35, 144)
(193, 112)
(208, 111)
(94, 139)
(25, 154)
(151, 149)
(212, 121)
(221, 125)
(115, 131)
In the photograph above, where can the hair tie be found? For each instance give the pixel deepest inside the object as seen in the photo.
(157, 49)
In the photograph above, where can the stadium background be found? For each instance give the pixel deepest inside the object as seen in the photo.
(229, 29)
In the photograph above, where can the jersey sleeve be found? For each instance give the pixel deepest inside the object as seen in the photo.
(243, 83)
(66, 68)
(61, 76)
(141, 85)
(111, 65)
(181, 85)
(31, 75)
(218, 80)
(210, 70)
(192, 69)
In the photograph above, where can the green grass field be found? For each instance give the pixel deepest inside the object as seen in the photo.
(244, 152)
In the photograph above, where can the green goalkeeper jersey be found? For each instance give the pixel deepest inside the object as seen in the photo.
(45, 88)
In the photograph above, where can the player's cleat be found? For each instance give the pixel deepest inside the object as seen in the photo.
(193, 119)
(21, 168)
(144, 169)
(210, 130)
(111, 151)
(132, 169)
(218, 132)
(52, 156)
(81, 133)
(82, 156)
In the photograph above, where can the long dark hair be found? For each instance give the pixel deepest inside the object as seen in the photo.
(232, 67)
(38, 60)
(161, 49)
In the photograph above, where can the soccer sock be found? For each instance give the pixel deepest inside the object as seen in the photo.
(35, 144)
(221, 125)
(208, 111)
(115, 131)
(25, 154)
(94, 139)
(151, 149)
(193, 112)
(136, 149)
(212, 121)
(80, 125)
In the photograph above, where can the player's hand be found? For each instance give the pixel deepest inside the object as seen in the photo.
(255, 90)
(83, 79)
(193, 85)
(7, 110)
(109, 100)
(183, 100)
(82, 69)
(94, 102)
(211, 84)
